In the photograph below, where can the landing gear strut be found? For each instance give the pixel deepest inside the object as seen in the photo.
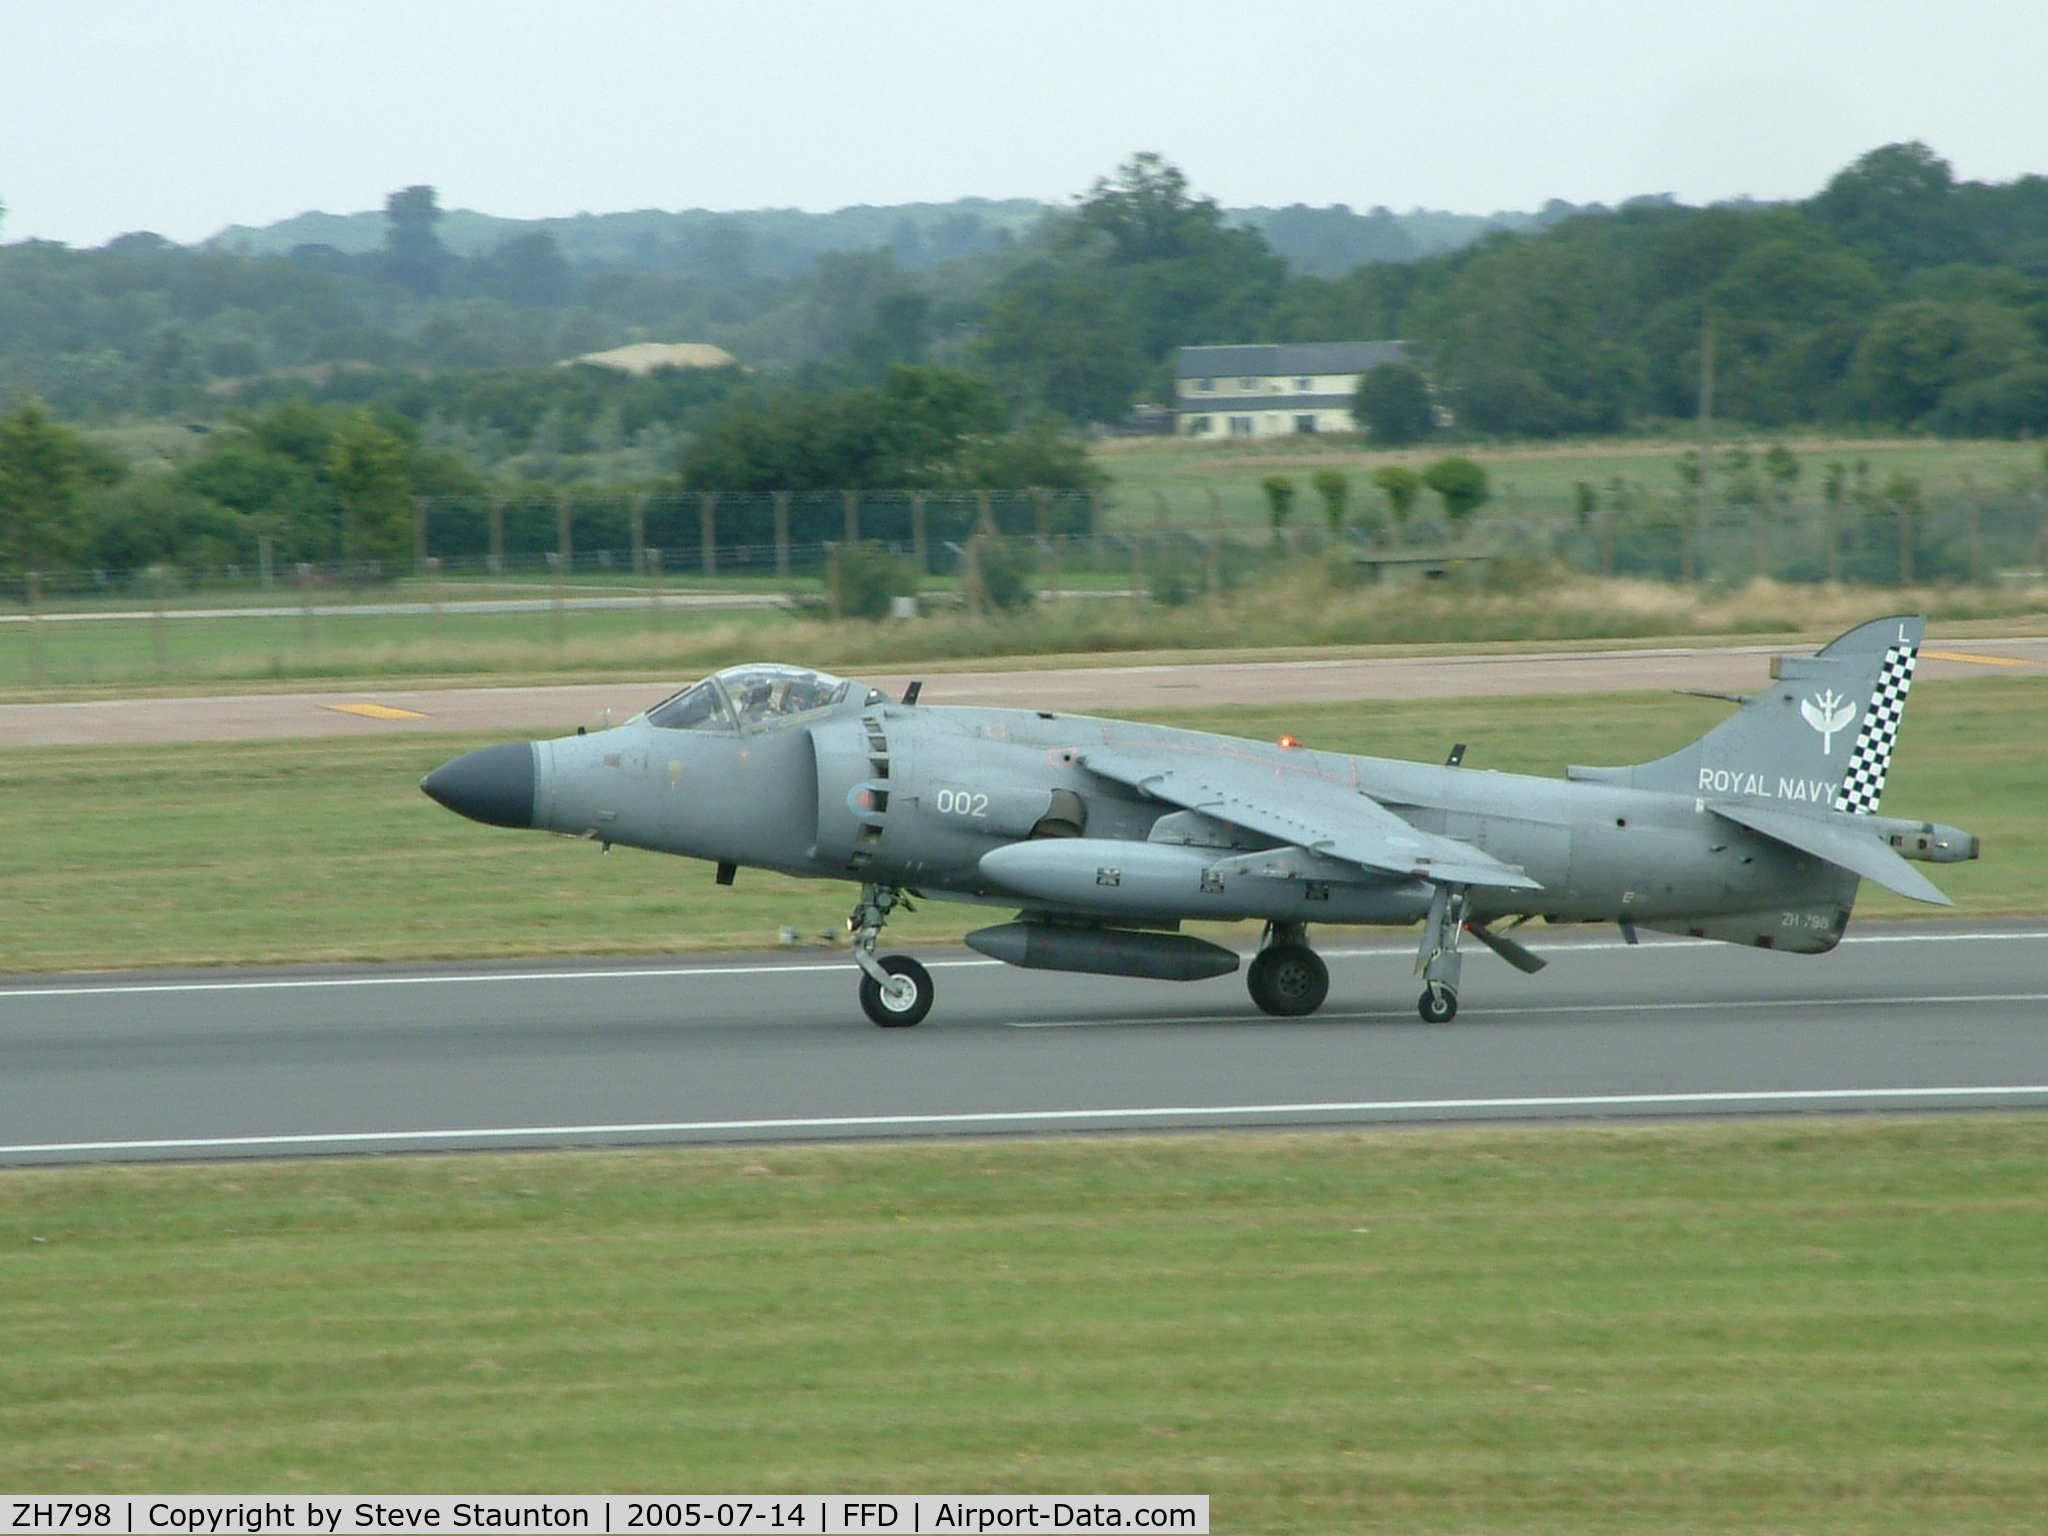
(1438, 962)
(1287, 978)
(895, 991)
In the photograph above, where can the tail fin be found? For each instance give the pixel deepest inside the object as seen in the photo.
(1792, 743)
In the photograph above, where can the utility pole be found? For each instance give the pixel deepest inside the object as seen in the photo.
(1705, 509)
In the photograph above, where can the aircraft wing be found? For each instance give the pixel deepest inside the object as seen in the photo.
(1304, 809)
(1851, 848)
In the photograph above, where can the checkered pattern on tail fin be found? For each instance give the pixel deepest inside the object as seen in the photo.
(1863, 784)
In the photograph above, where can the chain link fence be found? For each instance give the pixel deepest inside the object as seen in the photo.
(760, 540)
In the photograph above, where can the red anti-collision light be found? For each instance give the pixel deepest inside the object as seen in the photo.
(1289, 741)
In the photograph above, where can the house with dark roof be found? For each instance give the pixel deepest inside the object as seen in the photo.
(1273, 391)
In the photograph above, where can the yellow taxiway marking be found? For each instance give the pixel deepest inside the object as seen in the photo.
(375, 711)
(1982, 661)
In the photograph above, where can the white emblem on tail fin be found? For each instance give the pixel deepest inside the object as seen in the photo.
(1827, 713)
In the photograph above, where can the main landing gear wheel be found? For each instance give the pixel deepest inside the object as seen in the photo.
(905, 1001)
(1288, 980)
(1438, 1004)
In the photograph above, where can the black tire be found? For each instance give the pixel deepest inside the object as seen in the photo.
(878, 1007)
(1289, 981)
(1437, 1005)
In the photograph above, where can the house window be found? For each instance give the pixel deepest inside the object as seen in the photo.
(1303, 386)
(1206, 386)
(1240, 426)
(1305, 423)
(1200, 426)
(1249, 386)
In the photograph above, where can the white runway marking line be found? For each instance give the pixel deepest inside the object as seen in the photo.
(1586, 1101)
(279, 984)
(1510, 1011)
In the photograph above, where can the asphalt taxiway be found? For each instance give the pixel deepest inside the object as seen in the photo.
(392, 1059)
(383, 709)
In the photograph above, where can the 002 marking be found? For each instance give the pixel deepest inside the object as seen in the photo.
(960, 802)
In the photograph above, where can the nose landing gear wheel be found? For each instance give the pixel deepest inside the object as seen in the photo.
(1289, 981)
(899, 1006)
(1438, 1004)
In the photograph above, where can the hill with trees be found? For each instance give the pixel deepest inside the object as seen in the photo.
(1896, 296)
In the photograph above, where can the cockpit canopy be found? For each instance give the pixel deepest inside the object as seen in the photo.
(751, 696)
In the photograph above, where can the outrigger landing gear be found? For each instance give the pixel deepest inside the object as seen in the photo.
(895, 991)
(1287, 978)
(1438, 962)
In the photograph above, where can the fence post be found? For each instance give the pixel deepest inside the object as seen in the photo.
(707, 529)
(1976, 531)
(497, 560)
(1041, 527)
(1831, 533)
(832, 579)
(266, 561)
(984, 529)
(35, 627)
(918, 547)
(852, 500)
(782, 535)
(654, 590)
(433, 572)
(1095, 523)
(157, 622)
(564, 553)
(639, 533)
(419, 534)
(305, 575)
(1905, 511)
(1213, 562)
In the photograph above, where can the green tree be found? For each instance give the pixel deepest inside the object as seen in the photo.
(1899, 201)
(44, 468)
(1279, 502)
(1334, 486)
(1916, 351)
(413, 254)
(1059, 342)
(1401, 486)
(1392, 405)
(1460, 482)
(367, 465)
(925, 428)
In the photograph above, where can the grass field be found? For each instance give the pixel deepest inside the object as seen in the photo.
(1538, 478)
(325, 850)
(1306, 603)
(1758, 1327)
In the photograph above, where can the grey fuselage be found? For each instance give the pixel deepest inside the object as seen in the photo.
(918, 797)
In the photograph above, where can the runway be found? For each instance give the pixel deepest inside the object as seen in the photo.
(773, 1048)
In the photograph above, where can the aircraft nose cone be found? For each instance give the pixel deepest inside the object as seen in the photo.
(493, 785)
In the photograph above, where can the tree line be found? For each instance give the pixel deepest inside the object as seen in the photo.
(1897, 295)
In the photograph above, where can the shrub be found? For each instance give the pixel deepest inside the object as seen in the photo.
(869, 575)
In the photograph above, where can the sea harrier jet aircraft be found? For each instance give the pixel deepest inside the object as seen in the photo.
(1106, 836)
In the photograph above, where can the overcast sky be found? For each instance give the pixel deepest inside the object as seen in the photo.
(183, 116)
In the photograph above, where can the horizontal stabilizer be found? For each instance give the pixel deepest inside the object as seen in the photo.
(1305, 808)
(1850, 848)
